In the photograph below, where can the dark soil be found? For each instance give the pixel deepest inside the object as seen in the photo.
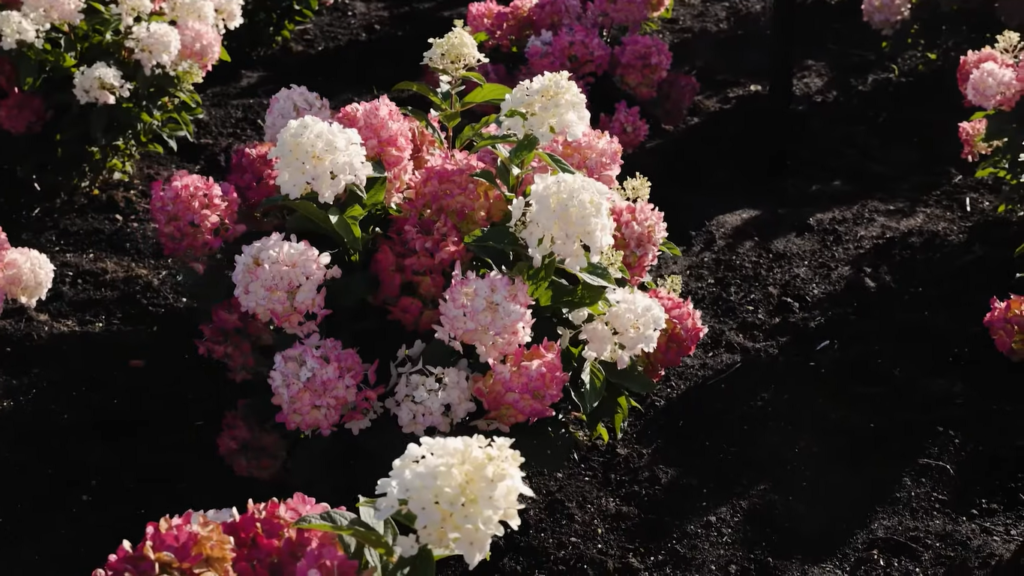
(846, 414)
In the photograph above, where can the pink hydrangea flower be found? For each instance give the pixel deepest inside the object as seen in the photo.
(993, 85)
(200, 44)
(626, 125)
(252, 173)
(676, 94)
(506, 26)
(277, 280)
(317, 382)
(490, 312)
(26, 274)
(523, 387)
(387, 136)
(194, 216)
(597, 154)
(187, 544)
(22, 112)
(250, 450)
(639, 231)
(291, 104)
(657, 7)
(230, 337)
(640, 64)
(326, 561)
(970, 63)
(578, 49)
(554, 14)
(627, 13)
(972, 136)
(884, 15)
(683, 330)
(1005, 323)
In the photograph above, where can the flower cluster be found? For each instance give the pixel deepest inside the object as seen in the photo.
(194, 216)
(291, 104)
(578, 49)
(387, 136)
(626, 124)
(885, 15)
(100, 84)
(523, 387)
(972, 136)
(253, 173)
(461, 489)
(230, 337)
(988, 78)
(21, 112)
(276, 279)
(505, 26)
(453, 53)
(1005, 323)
(26, 274)
(320, 156)
(427, 396)
(553, 105)
(632, 325)
(639, 231)
(641, 63)
(683, 330)
(319, 383)
(226, 543)
(251, 450)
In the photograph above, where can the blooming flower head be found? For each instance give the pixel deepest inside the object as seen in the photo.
(250, 450)
(253, 173)
(132, 9)
(194, 215)
(505, 26)
(317, 382)
(993, 85)
(639, 231)
(290, 104)
(100, 84)
(972, 136)
(230, 337)
(387, 136)
(154, 44)
(490, 312)
(970, 64)
(885, 15)
(426, 396)
(454, 53)
(626, 13)
(570, 218)
(1005, 323)
(640, 64)
(631, 325)
(26, 275)
(460, 489)
(229, 14)
(553, 105)
(22, 112)
(523, 387)
(5, 244)
(554, 14)
(626, 125)
(200, 45)
(577, 49)
(16, 27)
(319, 155)
(196, 11)
(53, 11)
(278, 280)
(676, 94)
(683, 330)
(596, 153)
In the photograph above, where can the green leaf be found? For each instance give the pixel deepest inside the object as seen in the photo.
(982, 114)
(472, 130)
(494, 236)
(1019, 251)
(421, 88)
(487, 176)
(630, 378)
(492, 140)
(475, 77)
(538, 280)
(600, 430)
(422, 564)
(451, 118)
(574, 297)
(322, 219)
(487, 94)
(670, 248)
(597, 274)
(346, 524)
(589, 390)
(556, 162)
(621, 415)
(375, 195)
(347, 225)
(522, 152)
(224, 54)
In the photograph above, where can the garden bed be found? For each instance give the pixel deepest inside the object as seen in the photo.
(846, 412)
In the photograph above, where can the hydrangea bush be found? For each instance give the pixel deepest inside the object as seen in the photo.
(608, 46)
(492, 234)
(86, 86)
(26, 274)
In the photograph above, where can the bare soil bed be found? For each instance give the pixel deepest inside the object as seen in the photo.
(846, 414)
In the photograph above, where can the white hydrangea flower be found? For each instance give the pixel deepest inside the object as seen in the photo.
(15, 27)
(319, 155)
(570, 216)
(1009, 43)
(292, 103)
(631, 325)
(553, 105)
(201, 11)
(26, 275)
(454, 53)
(132, 9)
(460, 489)
(219, 516)
(229, 14)
(154, 44)
(100, 83)
(44, 12)
(426, 396)
(635, 189)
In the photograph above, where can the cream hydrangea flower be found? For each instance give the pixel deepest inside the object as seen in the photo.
(454, 53)
(26, 275)
(631, 325)
(553, 106)
(15, 27)
(319, 155)
(154, 44)
(100, 83)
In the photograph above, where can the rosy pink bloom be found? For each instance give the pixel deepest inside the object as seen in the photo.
(627, 13)
(490, 312)
(972, 136)
(200, 44)
(970, 63)
(640, 63)
(387, 136)
(554, 14)
(230, 338)
(523, 387)
(317, 382)
(993, 86)
(884, 15)
(194, 216)
(5, 244)
(683, 330)
(1005, 323)
(597, 154)
(639, 231)
(626, 125)
(578, 49)
(480, 17)
(252, 173)
(22, 112)
(506, 26)
(657, 7)
(676, 94)
(327, 561)
(186, 544)
(251, 450)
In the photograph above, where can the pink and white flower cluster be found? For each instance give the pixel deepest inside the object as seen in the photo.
(683, 330)
(522, 387)
(991, 78)
(319, 383)
(26, 274)
(387, 135)
(1005, 323)
(291, 104)
(639, 231)
(632, 325)
(253, 173)
(262, 541)
(885, 15)
(231, 336)
(428, 396)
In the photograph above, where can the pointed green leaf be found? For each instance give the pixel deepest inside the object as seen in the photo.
(556, 162)
(670, 248)
(487, 94)
(630, 378)
(319, 217)
(421, 88)
(224, 54)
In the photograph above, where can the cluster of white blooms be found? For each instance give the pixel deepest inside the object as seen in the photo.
(15, 27)
(154, 44)
(570, 216)
(131, 9)
(553, 105)
(229, 14)
(45, 12)
(1009, 43)
(460, 488)
(631, 325)
(454, 53)
(635, 189)
(319, 155)
(290, 104)
(199, 11)
(100, 83)
(26, 275)
(426, 396)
